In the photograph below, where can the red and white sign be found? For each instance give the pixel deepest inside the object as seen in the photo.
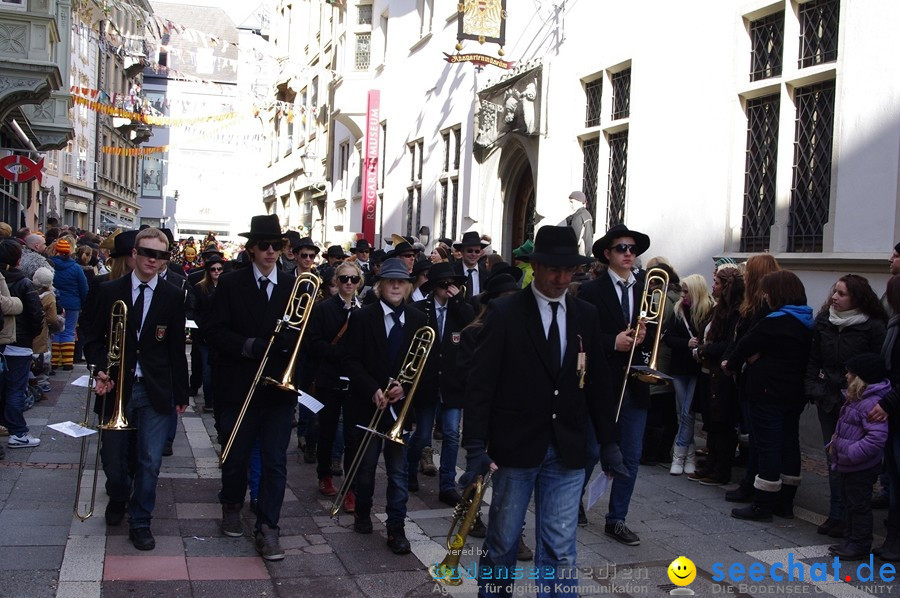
(370, 165)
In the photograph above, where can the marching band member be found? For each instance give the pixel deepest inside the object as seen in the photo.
(248, 303)
(377, 339)
(155, 377)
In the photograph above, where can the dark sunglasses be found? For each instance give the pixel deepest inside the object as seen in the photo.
(623, 247)
(215, 269)
(473, 250)
(307, 256)
(344, 278)
(407, 256)
(152, 253)
(265, 245)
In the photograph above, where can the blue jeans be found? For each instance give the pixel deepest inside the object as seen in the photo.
(271, 425)
(146, 441)
(421, 437)
(14, 384)
(684, 396)
(67, 334)
(397, 488)
(632, 421)
(557, 492)
(776, 437)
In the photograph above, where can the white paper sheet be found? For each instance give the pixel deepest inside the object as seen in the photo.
(190, 324)
(82, 381)
(72, 429)
(309, 401)
(596, 489)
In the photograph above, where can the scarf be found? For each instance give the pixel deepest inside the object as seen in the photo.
(803, 313)
(842, 319)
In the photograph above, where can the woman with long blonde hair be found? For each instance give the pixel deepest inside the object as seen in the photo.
(683, 334)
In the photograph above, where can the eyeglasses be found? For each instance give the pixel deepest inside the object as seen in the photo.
(215, 269)
(152, 253)
(344, 278)
(407, 256)
(473, 249)
(625, 247)
(265, 245)
(307, 256)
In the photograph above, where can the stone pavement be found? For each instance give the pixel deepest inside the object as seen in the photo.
(46, 551)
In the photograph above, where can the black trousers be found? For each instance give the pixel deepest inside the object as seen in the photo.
(328, 417)
(856, 490)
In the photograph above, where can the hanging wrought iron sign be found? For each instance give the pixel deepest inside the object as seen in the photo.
(482, 21)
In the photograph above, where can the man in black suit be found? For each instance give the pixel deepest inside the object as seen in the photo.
(471, 248)
(617, 296)
(248, 303)
(377, 340)
(448, 313)
(539, 374)
(154, 380)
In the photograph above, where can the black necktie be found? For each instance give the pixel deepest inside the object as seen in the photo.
(470, 285)
(263, 288)
(553, 339)
(395, 336)
(138, 309)
(626, 302)
(440, 320)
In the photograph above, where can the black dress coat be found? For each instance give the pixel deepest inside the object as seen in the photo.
(601, 293)
(516, 407)
(325, 360)
(368, 365)
(160, 347)
(446, 375)
(240, 313)
(460, 269)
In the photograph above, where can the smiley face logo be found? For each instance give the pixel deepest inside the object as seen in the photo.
(682, 571)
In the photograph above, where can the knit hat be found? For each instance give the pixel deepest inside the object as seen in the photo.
(868, 366)
(63, 246)
(43, 278)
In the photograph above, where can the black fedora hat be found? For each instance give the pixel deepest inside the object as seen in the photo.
(618, 231)
(361, 245)
(401, 245)
(124, 243)
(304, 242)
(557, 246)
(264, 227)
(504, 268)
(210, 251)
(442, 271)
(336, 251)
(498, 285)
(421, 266)
(470, 239)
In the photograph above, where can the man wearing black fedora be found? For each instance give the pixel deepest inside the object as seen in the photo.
(448, 313)
(248, 303)
(361, 251)
(377, 340)
(403, 249)
(538, 375)
(471, 249)
(617, 295)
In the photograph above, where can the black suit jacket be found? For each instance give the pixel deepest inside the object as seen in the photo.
(368, 365)
(516, 406)
(238, 313)
(601, 293)
(325, 359)
(460, 269)
(445, 375)
(160, 347)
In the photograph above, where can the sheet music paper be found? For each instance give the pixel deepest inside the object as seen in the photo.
(309, 401)
(72, 429)
(82, 381)
(190, 324)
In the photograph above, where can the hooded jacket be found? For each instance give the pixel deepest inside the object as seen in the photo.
(70, 282)
(858, 444)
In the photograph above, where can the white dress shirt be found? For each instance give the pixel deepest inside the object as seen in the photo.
(546, 312)
(273, 278)
(148, 297)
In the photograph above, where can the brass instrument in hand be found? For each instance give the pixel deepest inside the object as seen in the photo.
(653, 307)
(296, 317)
(410, 372)
(82, 463)
(447, 571)
(115, 358)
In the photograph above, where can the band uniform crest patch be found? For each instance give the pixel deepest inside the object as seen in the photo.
(455, 337)
(161, 333)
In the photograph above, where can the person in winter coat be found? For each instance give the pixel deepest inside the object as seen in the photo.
(683, 335)
(43, 284)
(17, 353)
(856, 450)
(72, 285)
(773, 356)
(852, 321)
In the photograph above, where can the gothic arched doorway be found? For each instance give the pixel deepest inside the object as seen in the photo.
(523, 206)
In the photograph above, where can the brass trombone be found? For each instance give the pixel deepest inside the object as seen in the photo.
(410, 372)
(653, 307)
(296, 317)
(447, 571)
(85, 442)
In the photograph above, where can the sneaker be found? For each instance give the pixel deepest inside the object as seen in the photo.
(231, 521)
(523, 553)
(620, 532)
(326, 487)
(397, 541)
(266, 542)
(45, 388)
(142, 538)
(713, 481)
(478, 529)
(349, 503)
(426, 462)
(25, 440)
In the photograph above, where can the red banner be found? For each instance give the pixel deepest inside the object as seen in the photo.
(370, 166)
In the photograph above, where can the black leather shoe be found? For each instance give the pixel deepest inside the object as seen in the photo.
(167, 450)
(115, 512)
(752, 512)
(618, 531)
(449, 497)
(849, 553)
(142, 538)
(397, 541)
(362, 523)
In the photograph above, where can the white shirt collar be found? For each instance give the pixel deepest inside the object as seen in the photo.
(544, 301)
(136, 282)
(616, 278)
(273, 275)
